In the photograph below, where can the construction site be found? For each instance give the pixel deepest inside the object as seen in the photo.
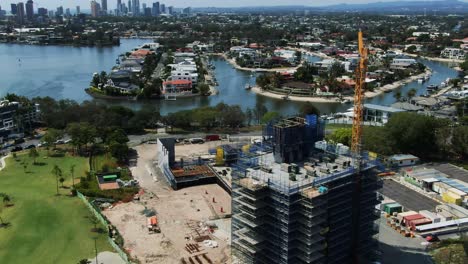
(293, 201)
(161, 225)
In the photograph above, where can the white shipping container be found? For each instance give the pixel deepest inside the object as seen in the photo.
(457, 192)
(440, 187)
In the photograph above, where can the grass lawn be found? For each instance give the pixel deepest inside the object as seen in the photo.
(45, 228)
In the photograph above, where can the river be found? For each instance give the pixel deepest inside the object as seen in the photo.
(63, 72)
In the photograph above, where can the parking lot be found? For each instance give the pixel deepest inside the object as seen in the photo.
(451, 170)
(410, 199)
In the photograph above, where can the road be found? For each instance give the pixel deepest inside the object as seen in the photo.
(160, 67)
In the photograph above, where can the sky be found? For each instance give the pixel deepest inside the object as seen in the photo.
(84, 4)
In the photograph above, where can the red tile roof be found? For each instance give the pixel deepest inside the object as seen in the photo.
(178, 82)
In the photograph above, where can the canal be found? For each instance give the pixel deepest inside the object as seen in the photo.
(63, 72)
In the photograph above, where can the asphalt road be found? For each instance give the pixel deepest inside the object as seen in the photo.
(410, 199)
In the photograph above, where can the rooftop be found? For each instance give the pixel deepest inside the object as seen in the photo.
(382, 108)
(312, 173)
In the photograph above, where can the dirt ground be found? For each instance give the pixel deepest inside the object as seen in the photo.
(195, 150)
(183, 216)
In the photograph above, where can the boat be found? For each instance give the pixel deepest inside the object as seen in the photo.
(432, 88)
(248, 86)
(420, 80)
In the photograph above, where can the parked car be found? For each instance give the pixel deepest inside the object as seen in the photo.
(17, 148)
(59, 142)
(212, 137)
(30, 146)
(197, 141)
(19, 141)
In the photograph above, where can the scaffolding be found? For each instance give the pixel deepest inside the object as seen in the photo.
(277, 220)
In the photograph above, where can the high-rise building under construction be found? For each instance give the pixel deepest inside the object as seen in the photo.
(295, 204)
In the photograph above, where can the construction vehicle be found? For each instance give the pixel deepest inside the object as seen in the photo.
(153, 226)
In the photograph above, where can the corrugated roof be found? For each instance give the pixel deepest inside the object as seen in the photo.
(383, 108)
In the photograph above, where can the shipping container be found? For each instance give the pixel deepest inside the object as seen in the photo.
(440, 187)
(457, 192)
(393, 208)
(384, 202)
(409, 218)
(423, 221)
(403, 214)
(452, 198)
(430, 215)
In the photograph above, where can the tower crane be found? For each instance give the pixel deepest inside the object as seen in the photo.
(356, 143)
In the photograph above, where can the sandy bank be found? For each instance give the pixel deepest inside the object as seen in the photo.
(376, 92)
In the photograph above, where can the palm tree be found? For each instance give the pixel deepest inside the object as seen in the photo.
(33, 154)
(411, 93)
(62, 180)
(72, 172)
(397, 95)
(58, 173)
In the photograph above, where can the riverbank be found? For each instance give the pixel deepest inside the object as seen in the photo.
(336, 99)
(236, 66)
(434, 58)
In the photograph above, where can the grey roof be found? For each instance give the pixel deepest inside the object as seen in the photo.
(383, 108)
(407, 106)
(403, 157)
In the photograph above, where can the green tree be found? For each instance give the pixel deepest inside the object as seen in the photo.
(309, 109)
(411, 93)
(57, 171)
(51, 137)
(259, 111)
(119, 151)
(203, 88)
(34, 154)
(84, 261)
(397, 95)
(249, 116)
(72, 173)
(268, 116)
(460, 141)
(62, 180)
(341, 135)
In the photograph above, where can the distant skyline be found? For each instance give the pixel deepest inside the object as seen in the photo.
(85, 4)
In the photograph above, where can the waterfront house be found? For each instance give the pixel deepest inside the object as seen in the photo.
(176, 87)
(453, 53)
(379, 113)
(184, 75)
(402, 63)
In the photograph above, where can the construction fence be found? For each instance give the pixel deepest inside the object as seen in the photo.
(101, 218)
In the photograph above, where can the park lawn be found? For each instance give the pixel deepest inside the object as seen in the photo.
(45, 228)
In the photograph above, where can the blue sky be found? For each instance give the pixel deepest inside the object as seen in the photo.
(193, 3)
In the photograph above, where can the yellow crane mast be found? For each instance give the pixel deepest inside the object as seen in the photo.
(358, 102)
